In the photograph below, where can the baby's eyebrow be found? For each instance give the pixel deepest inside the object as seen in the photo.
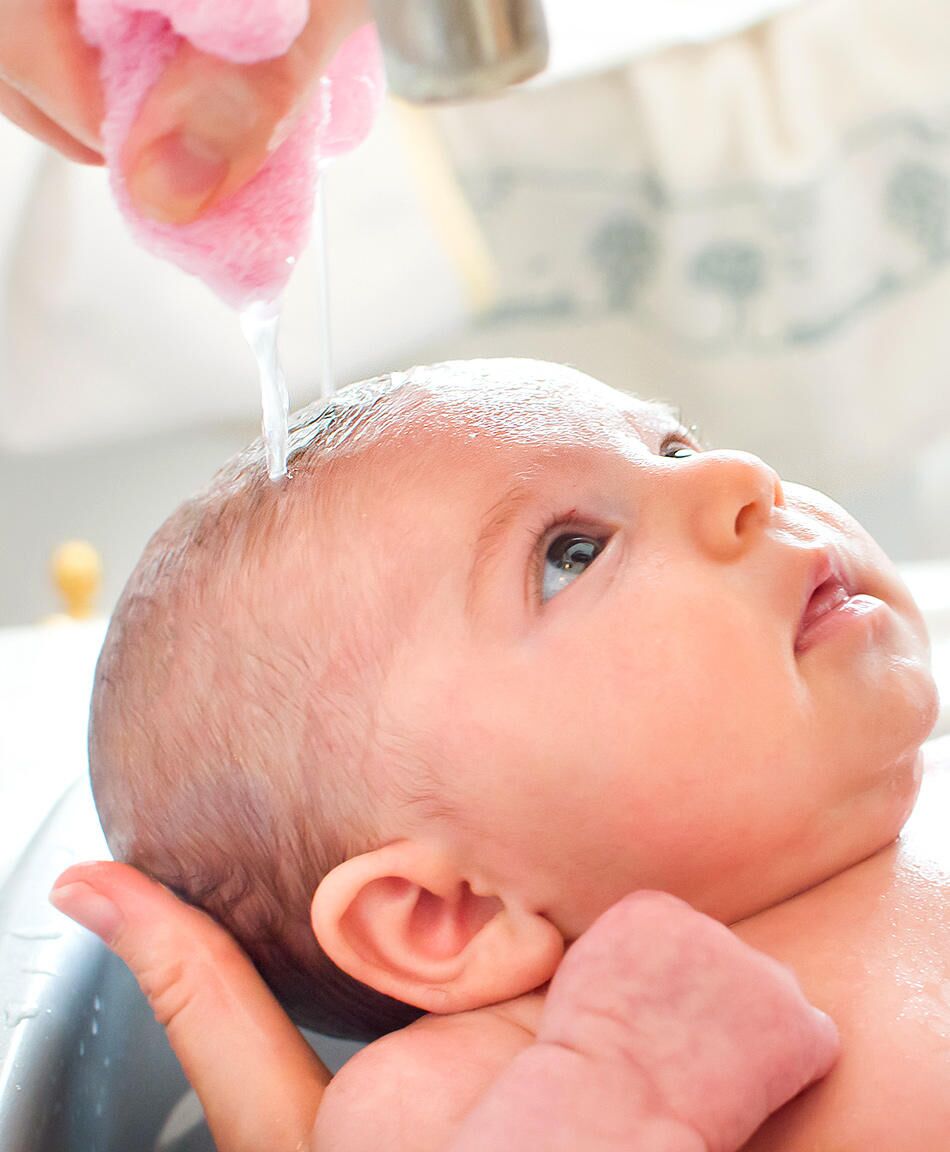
(669, 413)
(494, 529)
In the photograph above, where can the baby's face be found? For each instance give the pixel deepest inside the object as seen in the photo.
(640, 664)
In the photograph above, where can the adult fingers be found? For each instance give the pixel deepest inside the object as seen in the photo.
(22, 112)
(208, 125)
(44, 58)
(258, 1080)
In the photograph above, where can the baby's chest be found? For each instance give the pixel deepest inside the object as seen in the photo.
(891, 1087)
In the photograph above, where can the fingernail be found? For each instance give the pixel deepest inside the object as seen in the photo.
(82, 903)
(176, 177)
(196, 143)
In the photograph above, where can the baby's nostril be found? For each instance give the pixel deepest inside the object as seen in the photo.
(749, 515)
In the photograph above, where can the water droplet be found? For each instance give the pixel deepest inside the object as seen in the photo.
(17, 1013)
(94, 1027)
(96, 1004)
(82, 1047)
(36, 935)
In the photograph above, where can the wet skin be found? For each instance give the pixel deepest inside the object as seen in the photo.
(871, 947)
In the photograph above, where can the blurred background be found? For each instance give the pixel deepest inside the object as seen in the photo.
(742, 207)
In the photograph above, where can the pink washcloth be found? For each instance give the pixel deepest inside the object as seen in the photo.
(245, 247)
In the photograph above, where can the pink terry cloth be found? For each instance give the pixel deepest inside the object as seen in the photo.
(245, 247)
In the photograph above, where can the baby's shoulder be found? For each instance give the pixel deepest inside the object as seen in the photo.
(410, 1090)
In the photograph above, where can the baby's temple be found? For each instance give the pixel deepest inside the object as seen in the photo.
(475, 651)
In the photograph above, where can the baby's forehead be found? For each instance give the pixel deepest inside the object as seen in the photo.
(526, 402)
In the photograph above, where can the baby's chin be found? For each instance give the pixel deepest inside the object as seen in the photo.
(907, 782)
(867, 823)
(892, 802)
(910, 704)
(880, 804)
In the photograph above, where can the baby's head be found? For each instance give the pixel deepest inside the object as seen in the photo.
(504, 647)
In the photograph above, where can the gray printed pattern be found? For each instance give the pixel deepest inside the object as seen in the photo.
(748, 267)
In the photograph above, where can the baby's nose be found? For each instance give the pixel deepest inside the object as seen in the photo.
(730, 497)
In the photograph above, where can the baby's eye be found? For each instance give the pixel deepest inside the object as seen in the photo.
(679, 446)
(567, 558)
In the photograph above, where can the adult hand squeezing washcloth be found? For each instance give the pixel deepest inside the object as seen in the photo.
(210, 115)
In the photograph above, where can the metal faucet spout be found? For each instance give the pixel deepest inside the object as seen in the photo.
(444, 50)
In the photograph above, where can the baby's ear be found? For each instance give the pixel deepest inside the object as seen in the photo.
(402, 920)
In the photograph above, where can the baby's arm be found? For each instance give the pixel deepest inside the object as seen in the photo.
(411, 1090)
(662, 1032)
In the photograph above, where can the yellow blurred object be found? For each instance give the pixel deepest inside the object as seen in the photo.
(76, 568)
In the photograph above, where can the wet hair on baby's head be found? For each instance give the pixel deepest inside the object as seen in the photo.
(235, 750)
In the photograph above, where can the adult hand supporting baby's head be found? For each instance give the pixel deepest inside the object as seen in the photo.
(206, 126)
(661, 1030)
(258, 1080)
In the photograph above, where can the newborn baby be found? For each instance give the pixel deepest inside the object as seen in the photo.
(507, 646)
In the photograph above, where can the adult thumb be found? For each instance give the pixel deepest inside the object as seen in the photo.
(258, 1080)
(208, 125)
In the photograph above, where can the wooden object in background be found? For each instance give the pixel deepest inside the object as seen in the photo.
(76, 569)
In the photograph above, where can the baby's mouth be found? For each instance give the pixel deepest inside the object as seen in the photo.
(827, 593)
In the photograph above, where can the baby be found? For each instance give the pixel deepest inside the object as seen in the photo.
(507, 646)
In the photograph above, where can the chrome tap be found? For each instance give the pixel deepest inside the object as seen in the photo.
(441, 50)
